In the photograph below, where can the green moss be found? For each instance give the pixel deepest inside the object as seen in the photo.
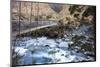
(77, 41)
(88, 47)
(76, 38)
(92, 37)
(52, 52)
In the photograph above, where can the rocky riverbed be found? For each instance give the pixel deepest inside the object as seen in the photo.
(77, 45)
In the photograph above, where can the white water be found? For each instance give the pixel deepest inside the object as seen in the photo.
(43, 50)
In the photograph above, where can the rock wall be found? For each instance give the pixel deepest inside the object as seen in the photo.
(45, 11)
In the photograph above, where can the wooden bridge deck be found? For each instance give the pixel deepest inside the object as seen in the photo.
(26, 27)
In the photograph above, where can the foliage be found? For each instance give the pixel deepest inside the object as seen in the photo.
(90, 11)
(87, 47)
(73, 8)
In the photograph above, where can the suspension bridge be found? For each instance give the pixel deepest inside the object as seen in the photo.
(25, 27)
(22, 25)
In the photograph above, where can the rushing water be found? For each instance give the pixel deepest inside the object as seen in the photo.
(41, 50)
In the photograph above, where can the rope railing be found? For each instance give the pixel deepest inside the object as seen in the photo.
(22, 25)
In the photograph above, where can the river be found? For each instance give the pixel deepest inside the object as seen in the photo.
(44, 50)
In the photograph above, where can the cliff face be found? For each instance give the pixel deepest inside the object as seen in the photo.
(46, 11)
(39, 9)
